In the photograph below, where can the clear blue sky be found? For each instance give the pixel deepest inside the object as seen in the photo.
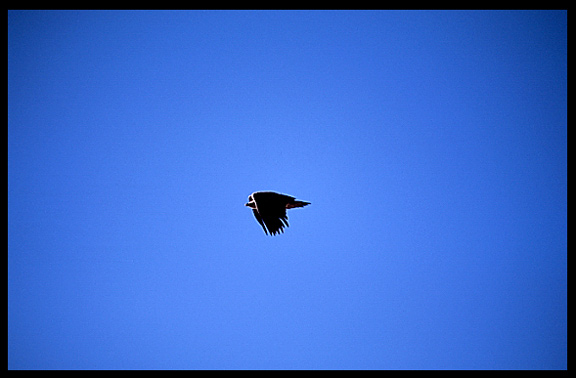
(432, 145)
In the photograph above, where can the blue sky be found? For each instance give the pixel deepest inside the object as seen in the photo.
(431, 144)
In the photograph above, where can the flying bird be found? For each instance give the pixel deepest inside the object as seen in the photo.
(269, 209)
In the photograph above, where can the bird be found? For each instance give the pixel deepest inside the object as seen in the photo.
(269, 209)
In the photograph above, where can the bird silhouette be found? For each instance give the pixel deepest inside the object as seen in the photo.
(269, 209)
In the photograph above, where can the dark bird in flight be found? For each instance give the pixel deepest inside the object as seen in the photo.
(269, 209)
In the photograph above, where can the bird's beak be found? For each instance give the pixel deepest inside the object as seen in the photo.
(250, 204)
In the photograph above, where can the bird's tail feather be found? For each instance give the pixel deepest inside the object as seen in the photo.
(297, 204)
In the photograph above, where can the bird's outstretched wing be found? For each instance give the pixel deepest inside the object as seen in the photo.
(276, 224)
(271, 208)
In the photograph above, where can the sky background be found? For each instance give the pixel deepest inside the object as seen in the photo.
(431, 144)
